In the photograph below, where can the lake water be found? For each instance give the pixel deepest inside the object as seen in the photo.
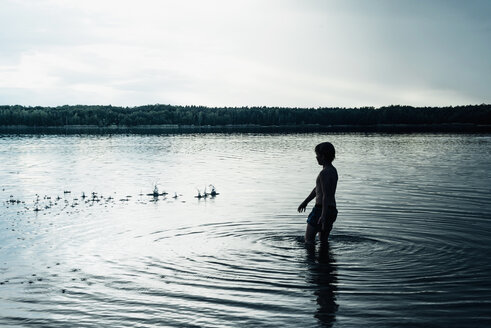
(410, 247)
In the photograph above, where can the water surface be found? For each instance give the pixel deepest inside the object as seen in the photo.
(410, 247)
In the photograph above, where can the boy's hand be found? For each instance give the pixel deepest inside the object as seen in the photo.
(302, 207)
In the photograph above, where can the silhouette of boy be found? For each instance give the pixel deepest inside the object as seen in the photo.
(324, 213)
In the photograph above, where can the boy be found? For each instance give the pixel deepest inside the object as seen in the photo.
(324, 212)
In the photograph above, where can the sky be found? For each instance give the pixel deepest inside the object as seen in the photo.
(305, 53)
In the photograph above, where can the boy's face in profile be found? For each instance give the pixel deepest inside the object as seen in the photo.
(320, 158)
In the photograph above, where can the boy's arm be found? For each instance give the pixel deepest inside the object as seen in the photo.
(307, 200)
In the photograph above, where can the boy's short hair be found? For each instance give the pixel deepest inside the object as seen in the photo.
(326, 149)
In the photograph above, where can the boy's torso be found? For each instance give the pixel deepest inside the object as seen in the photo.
(331, 175)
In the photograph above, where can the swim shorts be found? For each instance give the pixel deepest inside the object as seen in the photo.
(332, 214)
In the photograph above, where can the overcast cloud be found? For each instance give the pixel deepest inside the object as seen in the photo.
(245, 52)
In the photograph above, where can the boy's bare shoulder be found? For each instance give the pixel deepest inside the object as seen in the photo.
(328, 171)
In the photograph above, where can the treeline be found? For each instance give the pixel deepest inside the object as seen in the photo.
(104, 116)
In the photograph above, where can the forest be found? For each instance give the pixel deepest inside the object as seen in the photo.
(104, 116)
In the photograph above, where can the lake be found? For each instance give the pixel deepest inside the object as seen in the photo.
(85, 244)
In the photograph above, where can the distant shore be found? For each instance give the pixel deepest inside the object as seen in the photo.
(155, 119)
(246, 128)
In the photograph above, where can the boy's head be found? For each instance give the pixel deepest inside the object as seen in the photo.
(326, 151)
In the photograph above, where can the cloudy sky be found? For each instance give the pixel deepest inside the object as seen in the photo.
(305, 53)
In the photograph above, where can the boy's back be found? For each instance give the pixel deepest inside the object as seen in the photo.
(329, 177)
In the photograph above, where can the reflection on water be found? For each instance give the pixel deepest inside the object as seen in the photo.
(409, 247)
(322, 266)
